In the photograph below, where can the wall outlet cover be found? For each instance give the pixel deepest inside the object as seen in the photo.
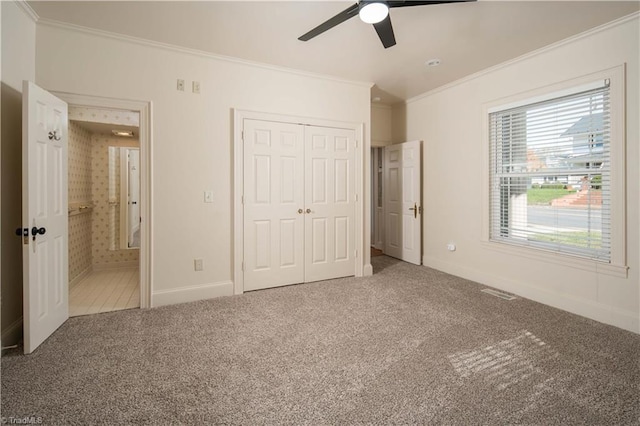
(198, 264)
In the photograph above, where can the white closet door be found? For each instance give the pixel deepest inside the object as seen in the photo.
(273, 204)
(403, 209)
(329, 203)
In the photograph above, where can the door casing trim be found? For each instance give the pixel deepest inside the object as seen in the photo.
(144, 108)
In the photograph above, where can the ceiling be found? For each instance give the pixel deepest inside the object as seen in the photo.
(466, 37)
(106, 129)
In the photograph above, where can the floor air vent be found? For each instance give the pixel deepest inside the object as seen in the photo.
(499, 294)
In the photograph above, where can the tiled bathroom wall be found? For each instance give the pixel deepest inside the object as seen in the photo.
(105, 214)
(79, 194)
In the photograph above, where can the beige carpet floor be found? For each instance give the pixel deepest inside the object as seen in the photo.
(409, 345)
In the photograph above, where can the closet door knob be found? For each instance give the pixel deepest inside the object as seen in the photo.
(300, 211)
(308, 211)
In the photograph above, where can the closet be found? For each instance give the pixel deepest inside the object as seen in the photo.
(299, 203)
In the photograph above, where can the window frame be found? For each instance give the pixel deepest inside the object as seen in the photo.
(617, 265)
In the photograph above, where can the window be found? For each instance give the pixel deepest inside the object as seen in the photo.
(550, 174)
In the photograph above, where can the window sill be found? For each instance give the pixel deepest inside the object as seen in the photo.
(562, 259)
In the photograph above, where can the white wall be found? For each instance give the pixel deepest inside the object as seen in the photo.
(380, 125)
(192, 134)
(450, 121)
(18, 63)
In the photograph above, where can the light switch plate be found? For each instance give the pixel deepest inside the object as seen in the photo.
(208, 196)
(180, 85)
(195, 87)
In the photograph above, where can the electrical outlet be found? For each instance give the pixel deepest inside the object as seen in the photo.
(195, 87)
(451, 247)
(180, 85)
(198, 265)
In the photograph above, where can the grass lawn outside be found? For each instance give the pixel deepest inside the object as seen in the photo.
(544, 196)
(577, 239)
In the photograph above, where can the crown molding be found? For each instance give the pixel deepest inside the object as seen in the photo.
(529, 55)
(27, 10)
(194, 52)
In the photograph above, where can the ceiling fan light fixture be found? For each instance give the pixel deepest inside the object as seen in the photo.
(373, 12)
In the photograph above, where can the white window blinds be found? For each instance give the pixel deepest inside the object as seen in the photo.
(550, 175)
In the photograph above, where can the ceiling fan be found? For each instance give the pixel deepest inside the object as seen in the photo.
(374, 12)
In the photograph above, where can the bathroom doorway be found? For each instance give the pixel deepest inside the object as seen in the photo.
(104, 210)
(85, 108)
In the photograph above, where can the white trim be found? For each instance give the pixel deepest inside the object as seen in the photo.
(363, 262)
(625, 319)
(13, 333)
(565, 91)
(528, 55)
(146, 178)
(195, 52)
(192, 293)
(618, 266)
(27, 10)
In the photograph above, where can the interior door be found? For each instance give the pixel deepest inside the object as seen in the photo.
(329, 203)
(44, 214)
(273, 204)
(403, 207)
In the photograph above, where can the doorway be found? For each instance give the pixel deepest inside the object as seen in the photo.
(396, 201)
(377, 201)
(45, 206)
(120, 274)
(104, 219)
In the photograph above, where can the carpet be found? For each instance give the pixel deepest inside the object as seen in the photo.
(407, 345)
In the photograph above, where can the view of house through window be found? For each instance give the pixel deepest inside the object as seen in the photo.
(550, 174)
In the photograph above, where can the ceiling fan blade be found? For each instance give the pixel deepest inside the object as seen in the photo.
(385, 32)
(327, 25)
(408, 3)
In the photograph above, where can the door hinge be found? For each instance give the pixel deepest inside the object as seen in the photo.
(242, 199)
(356, 197)
(242, 135)
(242, 266)
(355, 254)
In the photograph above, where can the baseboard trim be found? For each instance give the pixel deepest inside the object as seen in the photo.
(80, 276)
(625, 319)
(116, 265)
(13, 333)
(368, 270)
(191, 293)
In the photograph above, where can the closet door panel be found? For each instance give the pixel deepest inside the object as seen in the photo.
(330, 203)
(273, 194)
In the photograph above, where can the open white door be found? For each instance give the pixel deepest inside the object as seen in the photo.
(44, 214)
(403, 207)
